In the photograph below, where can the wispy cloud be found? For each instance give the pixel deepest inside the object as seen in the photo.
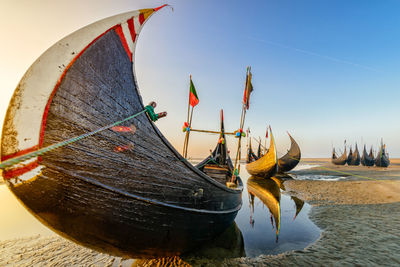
(316, 54)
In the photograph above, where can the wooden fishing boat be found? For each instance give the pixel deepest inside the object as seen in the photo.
(219, 164)
(339, 160)
(250, 154)
(382, 158)
(366, 159)
(259, 152)
(268, 191)
(291, 158)
(350, 156)
(354, 157)
(124, 191)
(267, 165)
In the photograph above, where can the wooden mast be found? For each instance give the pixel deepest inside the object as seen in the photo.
(187, 120)
(242, 119)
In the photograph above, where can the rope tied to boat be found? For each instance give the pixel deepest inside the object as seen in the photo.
(149, 109)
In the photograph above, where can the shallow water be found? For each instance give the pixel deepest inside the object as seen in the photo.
(259, 227)
(319, 177)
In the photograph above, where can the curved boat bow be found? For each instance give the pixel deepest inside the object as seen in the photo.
(267, 165)
(339, 160)
(124, 191)
(291, 158)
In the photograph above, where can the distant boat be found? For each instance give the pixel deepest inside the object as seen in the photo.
(250, 154)
(127, 191)
(354, 158)
(267, 165)
(350, 156)
(259, 153)
(339, 160)
(291, 158)
(367, 159)
(382, 157)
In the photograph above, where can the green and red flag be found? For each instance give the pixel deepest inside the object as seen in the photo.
(248, 89)
(193, 98)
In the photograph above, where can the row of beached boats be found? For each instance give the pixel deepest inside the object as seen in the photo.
(367, 159)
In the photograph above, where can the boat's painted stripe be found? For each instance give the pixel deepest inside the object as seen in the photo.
(141, 18)
(128, 39)
(19, 153)
(131, 27)
(118, 30)
(158, 8)
(46, 111)
(19, 171)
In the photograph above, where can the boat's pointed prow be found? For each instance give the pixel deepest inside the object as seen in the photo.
(267, 164)
(125, 190)
(291, 158)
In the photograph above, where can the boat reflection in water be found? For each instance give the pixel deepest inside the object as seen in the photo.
(270, 208)
(268, 191)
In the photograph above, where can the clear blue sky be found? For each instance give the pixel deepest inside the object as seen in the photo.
(323, 70)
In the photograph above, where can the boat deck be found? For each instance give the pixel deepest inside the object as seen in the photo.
(219, 173)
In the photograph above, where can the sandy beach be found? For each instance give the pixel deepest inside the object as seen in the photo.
(360, 219)
(362, 185)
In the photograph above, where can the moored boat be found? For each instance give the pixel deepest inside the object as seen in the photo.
(339, 160)
(382, 157)
(354, 157)
(366, 159)
(123, 191)
(350, 156)
(291, 158)
(250, 154)
(267, 165)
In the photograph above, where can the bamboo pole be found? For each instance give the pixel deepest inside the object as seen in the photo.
(242, 119)
(187, 120)
(207, 131)
(188, 132)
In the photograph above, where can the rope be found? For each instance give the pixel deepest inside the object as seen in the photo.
(16, 160)
(212, 160)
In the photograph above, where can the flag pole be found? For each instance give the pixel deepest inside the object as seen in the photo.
(187, 120)
(242, 119)
(188, 132)
(265, 144)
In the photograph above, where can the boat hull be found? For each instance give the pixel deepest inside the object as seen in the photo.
(382, 161)
(267, 165)
(290, 160)
(112, 223)
(129, 194)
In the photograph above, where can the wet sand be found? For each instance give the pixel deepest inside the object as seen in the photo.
(360, 219)
(363, 185)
